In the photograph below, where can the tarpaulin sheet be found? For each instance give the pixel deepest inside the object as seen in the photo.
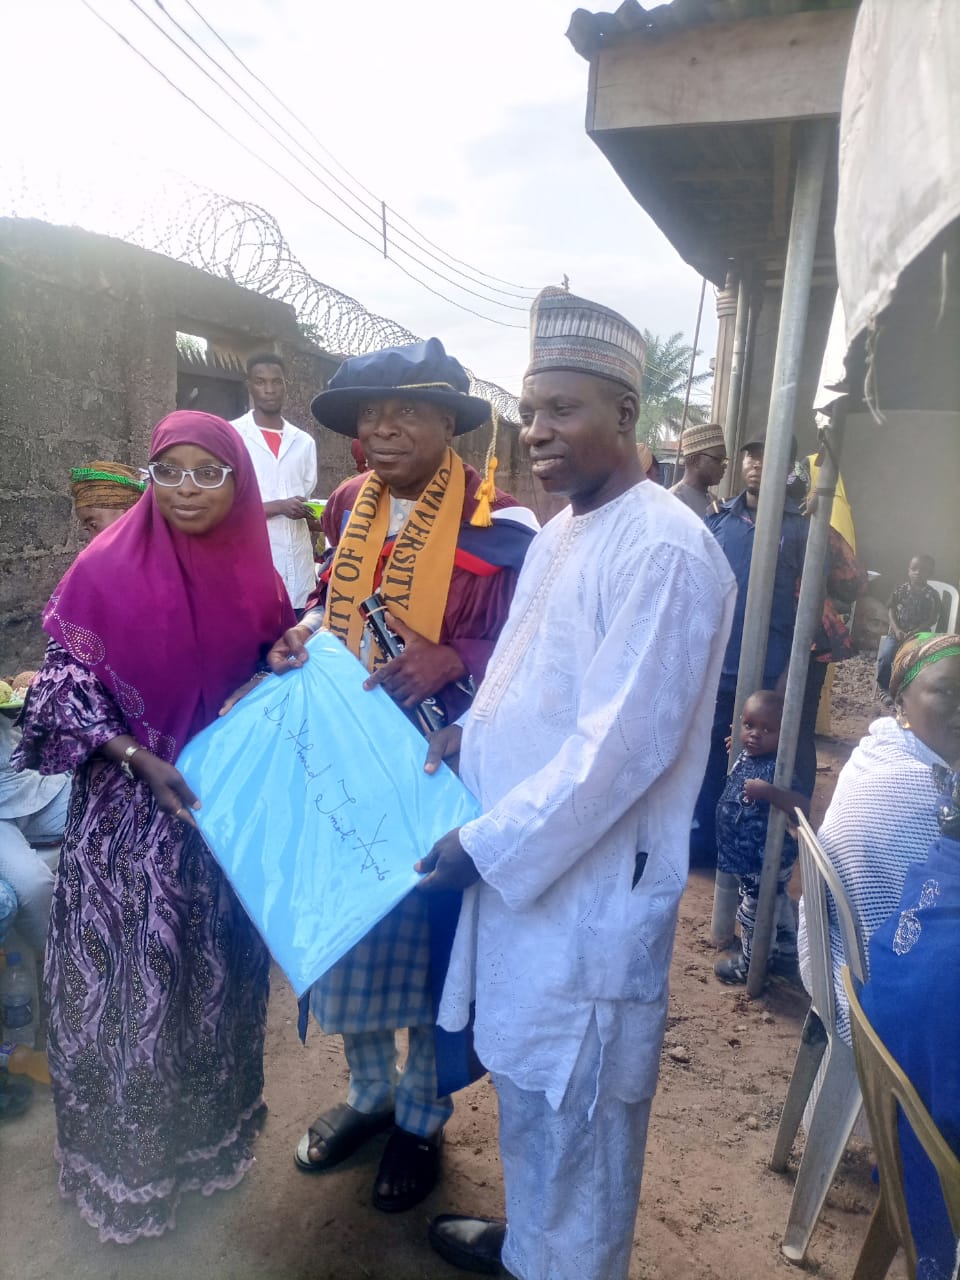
(899, 147)
(316, 806)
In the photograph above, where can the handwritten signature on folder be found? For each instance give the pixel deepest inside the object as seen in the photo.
(333, 798)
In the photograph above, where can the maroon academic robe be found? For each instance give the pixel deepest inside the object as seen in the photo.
(485, 571)
(392, 977)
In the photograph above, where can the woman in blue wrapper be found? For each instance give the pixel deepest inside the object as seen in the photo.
(911, 999)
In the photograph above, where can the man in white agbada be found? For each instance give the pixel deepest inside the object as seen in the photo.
(586, 745)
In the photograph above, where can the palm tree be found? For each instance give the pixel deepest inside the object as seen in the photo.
(664, 386)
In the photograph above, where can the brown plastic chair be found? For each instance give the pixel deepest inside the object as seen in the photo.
(838, 1102)
(886, 1092)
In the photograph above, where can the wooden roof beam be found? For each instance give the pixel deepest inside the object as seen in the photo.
(762, 69)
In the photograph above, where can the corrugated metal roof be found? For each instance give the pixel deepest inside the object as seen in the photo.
(589, 32)
(719, 191)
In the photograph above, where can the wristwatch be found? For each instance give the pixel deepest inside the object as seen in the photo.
(124, 761)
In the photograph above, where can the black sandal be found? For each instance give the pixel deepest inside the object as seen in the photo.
(408, 1171)
(342, 1130)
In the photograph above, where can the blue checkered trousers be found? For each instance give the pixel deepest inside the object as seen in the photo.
(379, 987)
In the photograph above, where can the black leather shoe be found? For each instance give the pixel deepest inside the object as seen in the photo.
(472, 1244)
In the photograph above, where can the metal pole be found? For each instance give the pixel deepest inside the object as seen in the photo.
(798, 273)
(693, 353)
(726, 888)
(809, 613)
(686, 398)
(726, 898)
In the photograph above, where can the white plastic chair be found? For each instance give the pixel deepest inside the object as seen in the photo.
(838, 1104)
(952, 602)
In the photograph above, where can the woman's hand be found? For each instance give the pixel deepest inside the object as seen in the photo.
(290, 650)
(242, 692)
(169, 786)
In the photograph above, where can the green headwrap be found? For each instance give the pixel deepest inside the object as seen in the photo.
(921, 650)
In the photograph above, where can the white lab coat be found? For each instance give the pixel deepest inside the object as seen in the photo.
(293, 474)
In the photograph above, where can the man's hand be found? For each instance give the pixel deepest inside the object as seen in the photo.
(421, 670)
(292, 508)
(168, 785)
(290, 650)
(444, 745)
(447, 865)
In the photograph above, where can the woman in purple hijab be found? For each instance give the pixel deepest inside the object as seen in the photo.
(157, 981)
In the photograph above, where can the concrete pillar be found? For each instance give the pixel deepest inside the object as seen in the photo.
(726, 323)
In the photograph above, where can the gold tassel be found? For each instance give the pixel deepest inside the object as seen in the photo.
(487, 492)
(481, 518)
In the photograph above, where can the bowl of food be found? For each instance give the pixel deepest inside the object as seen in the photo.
(13, 692)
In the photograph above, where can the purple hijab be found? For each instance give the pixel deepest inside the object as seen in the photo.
(169, 622)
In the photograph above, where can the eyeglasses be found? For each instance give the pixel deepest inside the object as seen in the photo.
(169, 477)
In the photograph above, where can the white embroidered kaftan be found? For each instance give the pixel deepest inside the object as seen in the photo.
(586, 745)
(293, 474)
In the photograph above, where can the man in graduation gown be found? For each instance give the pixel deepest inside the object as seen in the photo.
(585, 746)
(444, 548)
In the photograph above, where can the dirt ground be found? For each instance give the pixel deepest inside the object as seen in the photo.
(711, 1209)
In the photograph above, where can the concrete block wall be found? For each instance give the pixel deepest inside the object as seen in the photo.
(88, 365)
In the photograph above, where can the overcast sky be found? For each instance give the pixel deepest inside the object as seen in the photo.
(466, 118)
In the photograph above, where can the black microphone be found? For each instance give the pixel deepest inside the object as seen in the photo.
(429, 715)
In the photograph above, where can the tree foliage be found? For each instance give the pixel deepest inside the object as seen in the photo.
(664, 386)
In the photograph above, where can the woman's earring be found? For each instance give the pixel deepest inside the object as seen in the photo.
(902, 720)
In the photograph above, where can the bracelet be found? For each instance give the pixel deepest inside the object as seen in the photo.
(124, 761)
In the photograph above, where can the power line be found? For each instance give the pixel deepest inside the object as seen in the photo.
(525, 289)
(337, 196)
(378, 210)
(282, 176)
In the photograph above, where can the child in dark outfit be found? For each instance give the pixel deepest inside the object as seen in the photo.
(914, 606)
(742, 814)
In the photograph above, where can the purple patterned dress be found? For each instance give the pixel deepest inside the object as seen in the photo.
(157, 983)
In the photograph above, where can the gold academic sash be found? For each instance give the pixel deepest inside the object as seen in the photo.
(416, 576)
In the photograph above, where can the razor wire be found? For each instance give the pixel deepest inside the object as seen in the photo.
(239, 241)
